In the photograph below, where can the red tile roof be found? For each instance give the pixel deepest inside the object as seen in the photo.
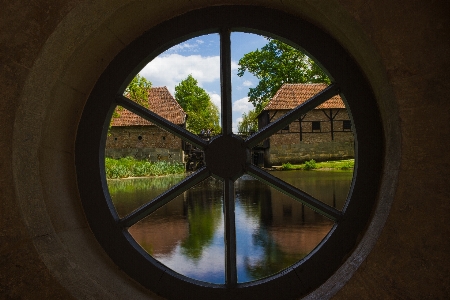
(160, 102)
(290, 95)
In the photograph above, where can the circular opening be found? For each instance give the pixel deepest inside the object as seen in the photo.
(302, 277)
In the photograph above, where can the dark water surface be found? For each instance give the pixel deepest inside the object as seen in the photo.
(273, 231)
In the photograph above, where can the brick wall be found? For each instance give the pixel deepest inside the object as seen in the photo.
(143, 142)
(296, 146)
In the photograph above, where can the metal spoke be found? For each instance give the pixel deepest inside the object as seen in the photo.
(295, 193)
(228, 185)
(230, 233)
(291, 116)
(164, 198)
(160, 121)
(225, 81)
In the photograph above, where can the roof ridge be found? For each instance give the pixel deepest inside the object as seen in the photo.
(161, 102)
(291, 95)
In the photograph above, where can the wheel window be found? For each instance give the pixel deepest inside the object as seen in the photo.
(227, 157)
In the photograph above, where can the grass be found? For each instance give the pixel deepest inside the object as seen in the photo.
(130, 167)
(345, 165)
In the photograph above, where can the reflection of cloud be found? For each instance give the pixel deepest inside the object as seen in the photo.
(211, 265)
(169, 70)
(210, 268)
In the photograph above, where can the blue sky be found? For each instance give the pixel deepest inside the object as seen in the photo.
(200, 57)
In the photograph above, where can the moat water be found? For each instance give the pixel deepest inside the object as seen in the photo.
(273, 231)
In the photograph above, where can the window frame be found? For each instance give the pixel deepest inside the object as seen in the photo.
(307, 274)
(316, 126)
(346, 125)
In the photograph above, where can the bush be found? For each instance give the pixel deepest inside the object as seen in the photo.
(130, 167)
(309, 165)
(347, 165)
(287, 166)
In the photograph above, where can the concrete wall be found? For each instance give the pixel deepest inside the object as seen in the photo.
(143, 142)
(52, 53)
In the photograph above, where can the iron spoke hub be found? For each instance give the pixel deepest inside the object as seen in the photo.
(226, 157)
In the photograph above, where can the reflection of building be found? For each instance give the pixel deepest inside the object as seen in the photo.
(189, 221)
(131, 135)
(299, 240)
(325, 133)
(160, 233)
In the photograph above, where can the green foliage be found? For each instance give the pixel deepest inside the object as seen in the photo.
(344, 165)
(130, 167)
(249, 121)
(134, 185)
(347, 165)
(202, 113)
(287, 166)
(138, 90)
(275, 64)
(310, 165)
(204, 216)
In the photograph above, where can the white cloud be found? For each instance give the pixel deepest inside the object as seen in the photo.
(192, 46)
(234, 65)
(169, 70)
(242, 106)
(247, 83)
(235, 124)
(239, 107)
(215, 98)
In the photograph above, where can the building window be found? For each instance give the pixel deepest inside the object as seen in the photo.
(315, 125)
(346, 125)
(227, 156)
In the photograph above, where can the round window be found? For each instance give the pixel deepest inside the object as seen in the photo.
(228, 157)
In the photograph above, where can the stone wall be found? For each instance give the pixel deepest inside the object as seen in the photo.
(53, 52)
(143, 142)
(295, 146)
(300, 152)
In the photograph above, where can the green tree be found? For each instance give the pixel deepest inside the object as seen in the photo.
(249, 121)
(275, 64)
(202, 113)
(137, 91)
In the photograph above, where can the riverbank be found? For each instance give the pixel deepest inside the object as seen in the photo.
(337, 165)
(129, 167)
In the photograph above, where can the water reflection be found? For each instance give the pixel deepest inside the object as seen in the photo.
(130, 193)
(273, 231)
